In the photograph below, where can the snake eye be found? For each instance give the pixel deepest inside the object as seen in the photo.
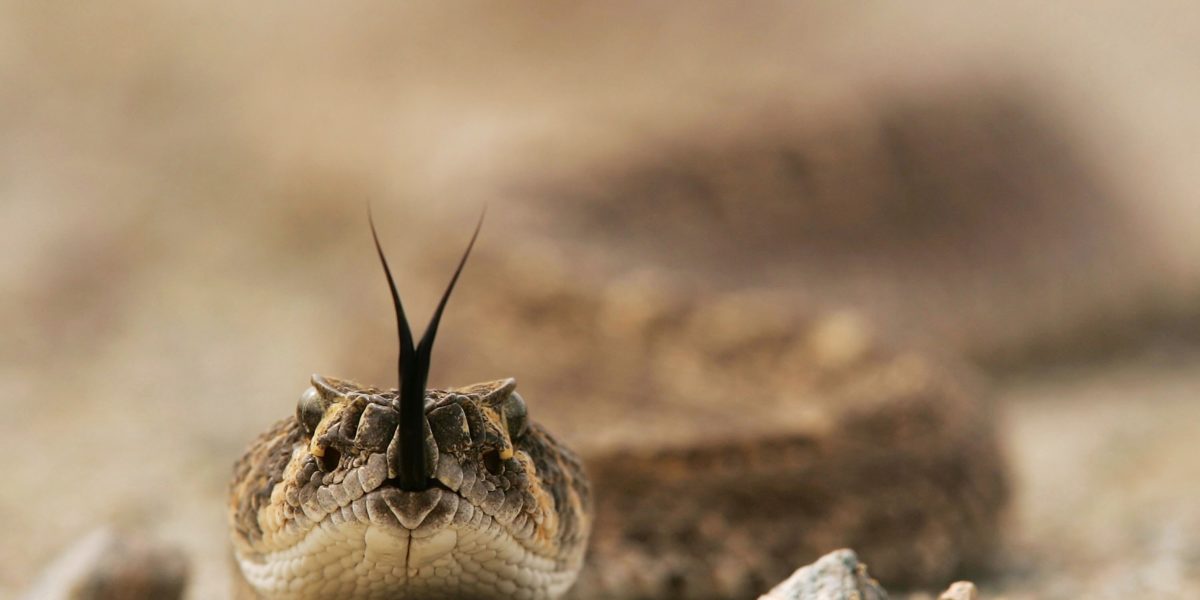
(310, 409)
(516, 416)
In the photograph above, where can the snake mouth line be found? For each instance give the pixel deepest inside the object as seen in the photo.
(433, 514)
(412, 539)
(417, 528)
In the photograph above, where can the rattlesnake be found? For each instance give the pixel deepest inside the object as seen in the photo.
(332, 503)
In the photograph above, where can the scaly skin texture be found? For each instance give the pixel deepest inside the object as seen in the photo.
(316, 513)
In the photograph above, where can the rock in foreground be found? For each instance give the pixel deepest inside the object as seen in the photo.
(836, 576)
(840, 576)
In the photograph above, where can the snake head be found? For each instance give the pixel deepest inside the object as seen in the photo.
(504, 500)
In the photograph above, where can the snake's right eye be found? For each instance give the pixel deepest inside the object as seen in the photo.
(310, 409)
(516, 416)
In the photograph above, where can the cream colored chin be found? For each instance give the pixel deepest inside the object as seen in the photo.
(360, 560)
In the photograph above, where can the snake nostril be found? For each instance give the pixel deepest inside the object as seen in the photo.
(492, 462)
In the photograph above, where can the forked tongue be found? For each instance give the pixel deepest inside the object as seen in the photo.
(413, 365)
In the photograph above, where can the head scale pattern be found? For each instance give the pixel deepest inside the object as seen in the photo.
(413, 367)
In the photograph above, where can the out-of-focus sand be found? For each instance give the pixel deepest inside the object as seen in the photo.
(182, 237)
(1105, 463)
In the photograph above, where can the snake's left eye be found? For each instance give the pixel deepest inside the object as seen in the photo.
(516, 416)
(310, 409)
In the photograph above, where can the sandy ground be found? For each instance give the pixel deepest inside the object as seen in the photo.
(181, 242)
(1106, 479)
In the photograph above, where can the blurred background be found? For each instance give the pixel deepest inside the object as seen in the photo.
(183, 192)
